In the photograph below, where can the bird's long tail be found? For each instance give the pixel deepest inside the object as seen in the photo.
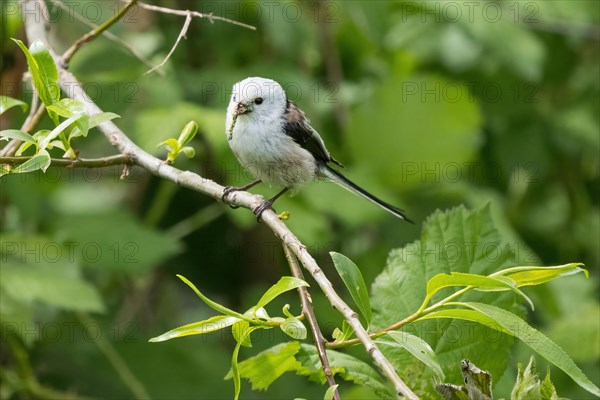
(347, 184)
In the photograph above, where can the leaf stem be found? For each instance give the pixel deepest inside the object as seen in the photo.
(421, 312)
(119, 159)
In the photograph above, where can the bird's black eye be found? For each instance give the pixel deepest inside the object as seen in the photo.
(258, 100)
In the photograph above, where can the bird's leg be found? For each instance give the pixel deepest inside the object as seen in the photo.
(268, 204)
(230, 189)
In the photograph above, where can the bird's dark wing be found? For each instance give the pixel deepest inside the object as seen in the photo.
(297, 126)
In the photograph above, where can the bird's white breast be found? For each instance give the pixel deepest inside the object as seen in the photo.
(269, 154)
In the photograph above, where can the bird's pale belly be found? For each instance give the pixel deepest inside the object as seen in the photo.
(277, 161)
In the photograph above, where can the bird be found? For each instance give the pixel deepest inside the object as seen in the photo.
(273, 139)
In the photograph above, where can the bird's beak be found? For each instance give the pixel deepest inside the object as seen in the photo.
(242, 108)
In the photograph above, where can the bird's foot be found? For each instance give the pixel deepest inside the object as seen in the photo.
(265, 205)
(227, 191)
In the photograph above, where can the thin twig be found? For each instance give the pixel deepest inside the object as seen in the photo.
(203, 185)
(34, 118)
(119, 159)
(91, 35)
(307, 309)
(211, 18)
(182, 34)
(109, 35)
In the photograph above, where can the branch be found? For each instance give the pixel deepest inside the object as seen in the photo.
(106, 34)
(184, 13)
(193, 181)
(182, 34)
(119, 159)
(91, 35)
(307, 309)
(35, 115)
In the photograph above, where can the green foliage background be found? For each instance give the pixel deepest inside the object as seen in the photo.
(429, 104)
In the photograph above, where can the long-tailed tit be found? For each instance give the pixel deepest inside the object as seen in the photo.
(273, 139)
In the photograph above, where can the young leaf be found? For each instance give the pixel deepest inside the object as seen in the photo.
(457, 240)
(67, 108)
(235, 372)
(212, 304)
(188, 133)
(17, 134)
(8, 102)
(238, 331)
(330, 392)
(98, 119)
(479, 282)
(197, 328)
(285, 284)
(355, 283)
(43, 71)
(188, 151)
(344, 333)
(528, 276)
(294, 328)
(43, 142)
(418, 348)
(507, 322)
(39, 161)
(529, 386)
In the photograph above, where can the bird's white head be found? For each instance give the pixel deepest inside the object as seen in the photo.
(258, 99)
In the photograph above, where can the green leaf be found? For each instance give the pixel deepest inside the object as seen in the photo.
(266, 367)
(98, 119)
(43, 142)
(506, 322)
(479, 282)
(214, 305)
(235, 372)
(67, 108)
(17, 134)
(284, 284)
(172, 145)
(343, 334)
(345, 366)
(457, 240)
(528, 276)
(238, 330)
(8, 102)
(294, 328)
(188, 151)
(330, 392)
(197, 328)
(40, 161)
(355, 283)
(529, 386)
(43, 71)
(418, 348)
(188, 133)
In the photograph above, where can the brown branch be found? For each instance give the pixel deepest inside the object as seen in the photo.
(119, 159)
(91, 35)
(307, 309)
(203, 185)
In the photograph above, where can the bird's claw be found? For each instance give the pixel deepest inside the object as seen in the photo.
(227, 191)
(265, 205)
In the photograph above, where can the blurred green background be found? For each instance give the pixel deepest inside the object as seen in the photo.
(429, 104)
